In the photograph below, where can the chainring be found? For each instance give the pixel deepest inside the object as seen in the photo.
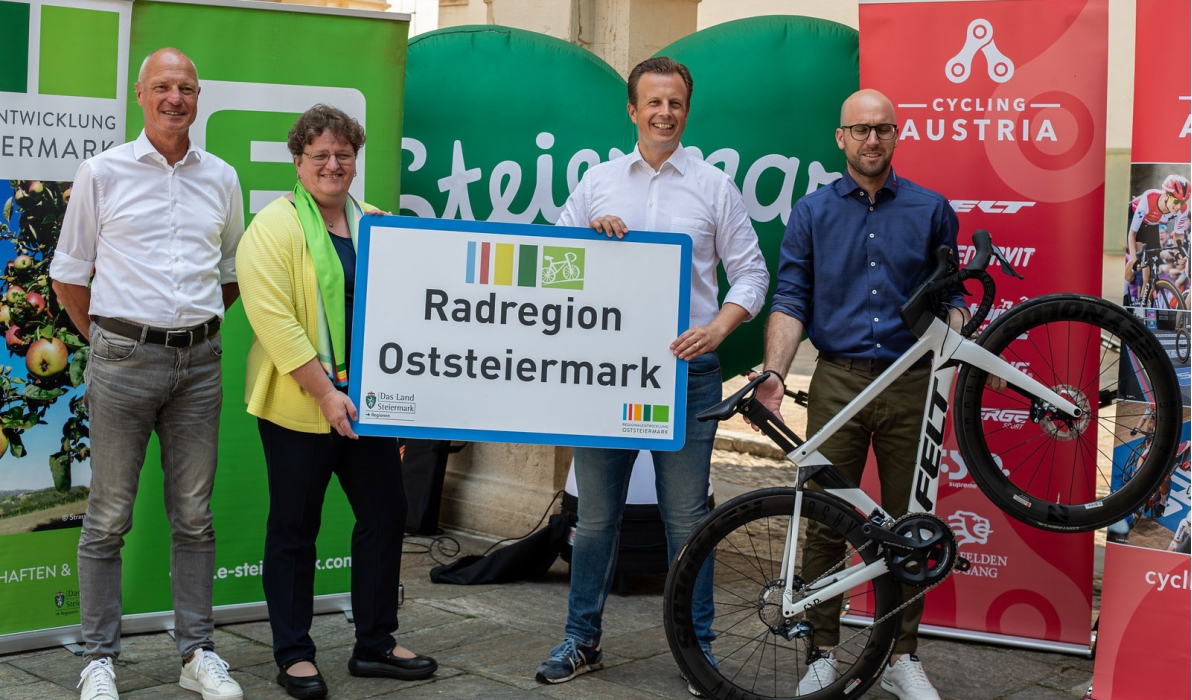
(934, 555)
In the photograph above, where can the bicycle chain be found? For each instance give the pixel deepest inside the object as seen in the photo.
(847, 557)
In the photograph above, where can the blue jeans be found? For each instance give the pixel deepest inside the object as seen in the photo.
(133, 390)
(602, 483)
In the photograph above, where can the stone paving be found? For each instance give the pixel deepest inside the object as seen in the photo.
(489, 640)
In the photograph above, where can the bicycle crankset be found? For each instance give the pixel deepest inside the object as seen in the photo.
(933, 555)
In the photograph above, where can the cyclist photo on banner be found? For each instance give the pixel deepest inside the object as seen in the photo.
(1156, 238)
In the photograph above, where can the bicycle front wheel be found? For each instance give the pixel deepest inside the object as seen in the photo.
(1060, 474)
(1165, 295)
(759, 652)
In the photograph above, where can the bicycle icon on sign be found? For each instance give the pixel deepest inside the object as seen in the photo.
(551, 270)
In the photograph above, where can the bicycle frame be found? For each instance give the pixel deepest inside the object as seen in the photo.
(948, 348)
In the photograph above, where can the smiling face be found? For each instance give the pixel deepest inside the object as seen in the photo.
(661, 111)
(168, 93)
(327, 182)
(868, 160)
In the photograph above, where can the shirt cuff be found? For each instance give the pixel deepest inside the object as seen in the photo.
(71, 270)
(790, 307)
(227, 271)
(747, 299)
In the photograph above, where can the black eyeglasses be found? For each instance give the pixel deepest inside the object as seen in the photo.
(860, 132)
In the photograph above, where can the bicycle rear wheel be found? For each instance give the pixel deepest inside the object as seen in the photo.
(1068, 475)
(745, 539)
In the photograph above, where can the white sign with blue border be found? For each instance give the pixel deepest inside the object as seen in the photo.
(497, 332)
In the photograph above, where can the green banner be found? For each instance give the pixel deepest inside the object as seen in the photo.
(765, 107)
(257, 75)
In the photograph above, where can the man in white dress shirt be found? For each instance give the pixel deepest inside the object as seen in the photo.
(157, 220)
(659, 187)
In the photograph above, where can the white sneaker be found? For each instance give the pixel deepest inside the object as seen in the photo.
(207, 674)
(98, 680)
(907, 680)
(820, 674)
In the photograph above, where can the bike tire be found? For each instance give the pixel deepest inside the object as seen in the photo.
(1041, 474)
(1165, 295)
(747, 588)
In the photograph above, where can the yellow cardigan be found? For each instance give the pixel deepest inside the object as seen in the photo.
(279, 290)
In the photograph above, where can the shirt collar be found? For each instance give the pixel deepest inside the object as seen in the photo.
(677, 160)
(846, 185)
(143, 147)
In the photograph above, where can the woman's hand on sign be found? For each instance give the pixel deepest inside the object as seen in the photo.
(609, 226)
(338, 409)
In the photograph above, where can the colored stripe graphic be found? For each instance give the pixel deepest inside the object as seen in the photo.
(503, 270)
(471, 274)
(79, 52)
(527, 266)
(484, 253)
(645, 413)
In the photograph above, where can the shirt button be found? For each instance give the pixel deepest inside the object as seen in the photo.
(870, 208)
(875, 319)
(871, 235)
(873, 264)
(874, 291)
(180, 287)
(879, 345)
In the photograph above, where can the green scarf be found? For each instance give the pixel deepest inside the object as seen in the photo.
(330, 274)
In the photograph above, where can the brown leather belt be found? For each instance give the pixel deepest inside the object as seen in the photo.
(172, 338)
(854, 364)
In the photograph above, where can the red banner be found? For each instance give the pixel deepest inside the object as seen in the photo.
(1162, 84)
(1143, 649)
(1001, 108)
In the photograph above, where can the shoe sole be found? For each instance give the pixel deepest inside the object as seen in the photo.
(378, 669)
(194, 687)
(579, 671)
(309, 694)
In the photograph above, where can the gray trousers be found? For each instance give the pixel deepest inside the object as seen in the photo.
(134, 389)
(891, 422)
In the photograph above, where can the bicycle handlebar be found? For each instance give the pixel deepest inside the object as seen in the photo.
(920, 308)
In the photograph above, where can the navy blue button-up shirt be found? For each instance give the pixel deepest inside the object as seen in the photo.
(848, 264)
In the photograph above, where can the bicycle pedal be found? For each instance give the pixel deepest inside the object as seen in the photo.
(962, 564)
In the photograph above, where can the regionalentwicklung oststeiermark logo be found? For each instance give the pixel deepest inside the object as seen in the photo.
(370, 399)
(524, 265)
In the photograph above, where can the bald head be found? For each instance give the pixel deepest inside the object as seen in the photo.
(166, 58)
(866, 101)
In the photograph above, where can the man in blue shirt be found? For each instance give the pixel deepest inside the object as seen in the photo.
(852, 253)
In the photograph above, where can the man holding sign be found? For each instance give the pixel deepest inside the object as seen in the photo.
(659, 187)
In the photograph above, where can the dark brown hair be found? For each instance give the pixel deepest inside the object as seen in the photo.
(662, 65)
(320, 118)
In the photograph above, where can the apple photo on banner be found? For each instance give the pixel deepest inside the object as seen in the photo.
(44, 468)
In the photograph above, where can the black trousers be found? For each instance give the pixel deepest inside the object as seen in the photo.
(300, 466)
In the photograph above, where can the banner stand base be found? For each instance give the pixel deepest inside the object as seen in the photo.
(71, 635)
(1008, 640)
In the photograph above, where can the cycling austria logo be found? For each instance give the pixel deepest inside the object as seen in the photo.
(524, 265)
(961, 117)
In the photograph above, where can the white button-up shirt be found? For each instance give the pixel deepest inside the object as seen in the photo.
(161, 239)
(686, 195)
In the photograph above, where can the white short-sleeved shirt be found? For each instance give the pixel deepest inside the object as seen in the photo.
(161, 239)
(686, 195)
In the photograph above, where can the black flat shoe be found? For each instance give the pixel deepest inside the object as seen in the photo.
(303, 687)
(389, 666)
